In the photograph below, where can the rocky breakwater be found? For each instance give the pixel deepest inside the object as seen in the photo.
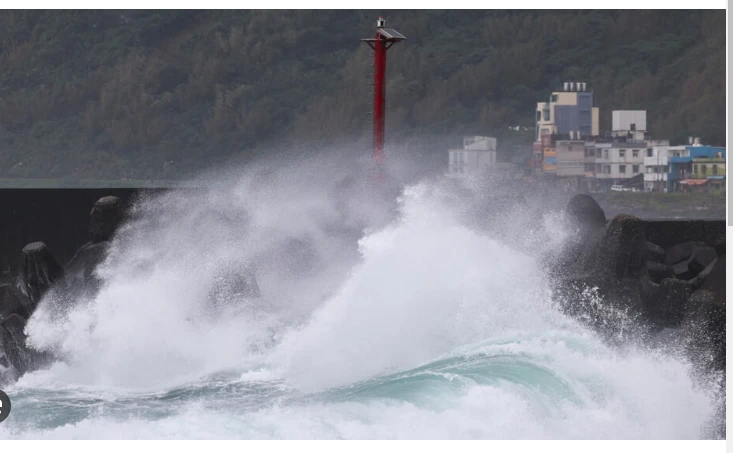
(41, 276)
(40, 273)
(616, 279)
(611, 275)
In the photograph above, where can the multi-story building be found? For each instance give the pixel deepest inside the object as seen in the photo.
(656, 166)
(711, 170)
(593, 149)
(682, 167)
(477, 156)
(706, 167)
(571, 161)
(568, 110)
(616, 162)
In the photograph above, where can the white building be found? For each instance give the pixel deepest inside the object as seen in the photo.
(619, 161)
(656, 166)
(477, 156)
(628, 120)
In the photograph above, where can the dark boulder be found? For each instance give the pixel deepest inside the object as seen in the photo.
(585, 212)
(40, 271)
(17, 353)
(105, 217)
(13, 339)
(654, 252)
(700, 278)
(4, 362)
(578, 256)
(704, 326)
(79, 272)
(701, 258)
(622, 251)
(715, 280)
(14, 302)
(669, 337)
(615, 310)
(683, 271)
(628, 296)
(720, 246)
(679, 252)
(666, 305)
(658, 271)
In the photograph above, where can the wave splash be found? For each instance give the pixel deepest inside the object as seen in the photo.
(375, 319)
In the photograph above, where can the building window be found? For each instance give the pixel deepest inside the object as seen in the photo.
(553, 98)
(605, 154)
(635, 169)
(607, 169)
(715, 169)
(649, 152)
(704, 170)
(622, 153)
(539, 115)
(546, 114)
(635, 153)
(622, 168)
(695, 169)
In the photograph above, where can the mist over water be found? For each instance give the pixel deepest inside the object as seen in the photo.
(409, 313)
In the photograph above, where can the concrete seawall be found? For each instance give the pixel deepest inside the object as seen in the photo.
(669, 232)
(60, 218)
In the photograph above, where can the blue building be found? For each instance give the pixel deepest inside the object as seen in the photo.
(680, 167)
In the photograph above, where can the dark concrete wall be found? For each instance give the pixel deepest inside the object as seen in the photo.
(670, 232)
(58, 217)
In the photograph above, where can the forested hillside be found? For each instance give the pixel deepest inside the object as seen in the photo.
(112, 94)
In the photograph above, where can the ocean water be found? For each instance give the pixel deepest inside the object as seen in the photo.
(375, 320)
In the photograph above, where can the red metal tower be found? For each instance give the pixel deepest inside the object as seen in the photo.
(383, 40)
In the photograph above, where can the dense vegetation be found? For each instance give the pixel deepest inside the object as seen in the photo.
(116, 94)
